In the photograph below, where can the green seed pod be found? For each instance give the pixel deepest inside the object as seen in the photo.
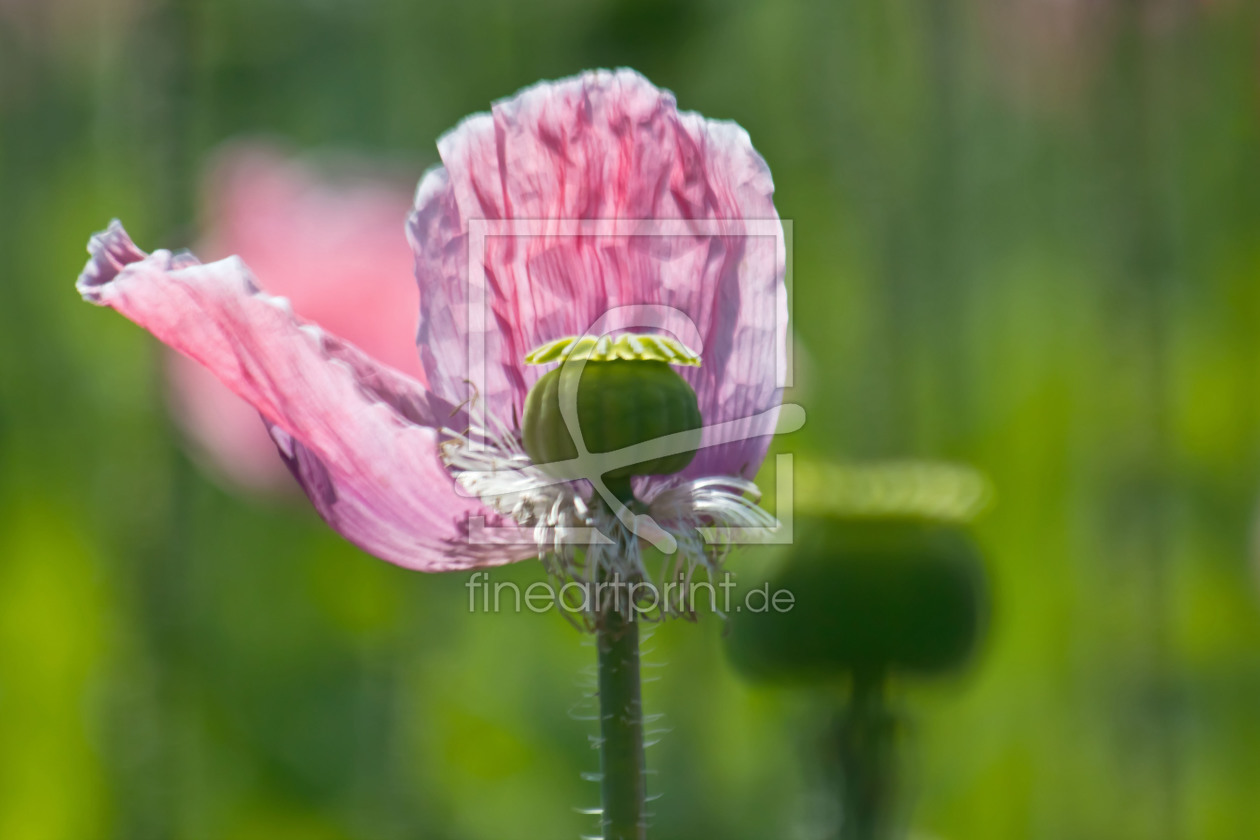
(871, 596)
(620, 403)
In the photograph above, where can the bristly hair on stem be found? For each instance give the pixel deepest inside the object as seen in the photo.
(623, 772)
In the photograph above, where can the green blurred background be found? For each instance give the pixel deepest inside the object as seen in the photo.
(1027, 237)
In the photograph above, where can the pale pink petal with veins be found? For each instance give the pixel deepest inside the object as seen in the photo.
(361, 437)
(605, 146)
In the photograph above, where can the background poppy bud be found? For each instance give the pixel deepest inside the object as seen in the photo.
(871, 596)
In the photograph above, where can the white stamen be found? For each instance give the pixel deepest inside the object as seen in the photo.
(584, 543)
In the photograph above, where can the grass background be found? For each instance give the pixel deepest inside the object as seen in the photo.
(1027, 236)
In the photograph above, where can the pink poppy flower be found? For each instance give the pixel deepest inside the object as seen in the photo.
(588, 205)
(331, 246)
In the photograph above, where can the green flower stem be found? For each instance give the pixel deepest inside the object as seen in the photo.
(866, 762)
(623, 787)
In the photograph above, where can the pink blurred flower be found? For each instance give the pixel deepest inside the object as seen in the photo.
(365, 439)
(1048, 50)
(69, 25)
(334, 248)
(1049, 53)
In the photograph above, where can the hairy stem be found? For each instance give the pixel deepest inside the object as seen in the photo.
(622, 788)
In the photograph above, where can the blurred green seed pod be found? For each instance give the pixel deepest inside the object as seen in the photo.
(870, 597)
(621, 402)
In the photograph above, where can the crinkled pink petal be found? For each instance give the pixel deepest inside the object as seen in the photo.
(605, 146)
(360, 436)
(334, 249)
